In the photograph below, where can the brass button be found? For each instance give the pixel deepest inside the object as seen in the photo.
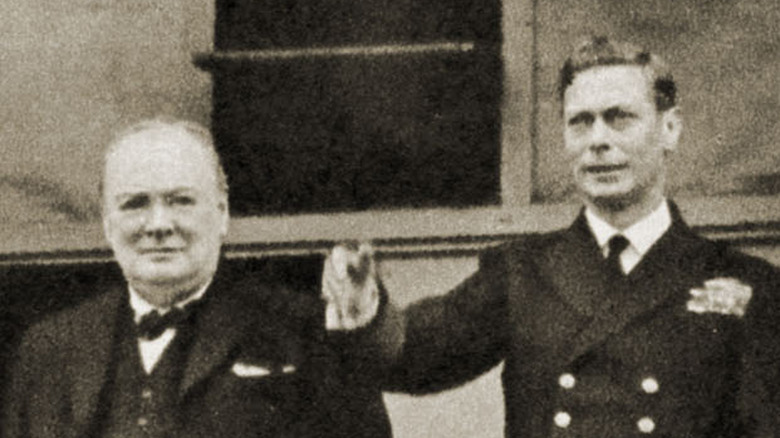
(567, 381)
(650, 385)
(562, 419)
(646, 425)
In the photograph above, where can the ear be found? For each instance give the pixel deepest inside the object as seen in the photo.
(671, 129)
(106, 225)
(224, 209)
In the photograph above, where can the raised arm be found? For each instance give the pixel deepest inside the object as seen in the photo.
(435, 343)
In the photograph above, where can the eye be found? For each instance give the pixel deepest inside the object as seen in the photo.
(134, 203)
(581, 119)
(617, 117)
(181, 200)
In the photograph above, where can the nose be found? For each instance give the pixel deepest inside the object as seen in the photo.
(159, 222)
(599, 137)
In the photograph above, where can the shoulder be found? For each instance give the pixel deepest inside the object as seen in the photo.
(722, 260)
(60, 328)
(718, 256)
(750, 266)
(726, 260)
(527, 247)
(47, 346)
(764, 280)
(279, 296)
(272, 281)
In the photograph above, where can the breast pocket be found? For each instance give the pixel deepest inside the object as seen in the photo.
(259, 405)
(271, 385)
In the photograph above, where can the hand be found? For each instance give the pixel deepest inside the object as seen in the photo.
(349, 285)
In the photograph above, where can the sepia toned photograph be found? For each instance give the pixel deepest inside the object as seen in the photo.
(390, 218)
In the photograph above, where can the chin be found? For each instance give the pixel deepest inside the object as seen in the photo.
(612, 197)
(611, 191)
(161, 274)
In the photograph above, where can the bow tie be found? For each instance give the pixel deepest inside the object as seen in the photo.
(153, 324)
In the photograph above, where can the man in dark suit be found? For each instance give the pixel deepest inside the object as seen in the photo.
(625, 324)
(186, 346)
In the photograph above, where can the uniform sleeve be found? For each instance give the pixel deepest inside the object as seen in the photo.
(448, 340)
(13, 423)
(759, 394)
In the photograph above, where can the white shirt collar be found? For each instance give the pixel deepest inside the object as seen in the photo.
(641, 235)
(141, 307)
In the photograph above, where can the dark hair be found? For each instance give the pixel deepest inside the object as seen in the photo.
(600, 51)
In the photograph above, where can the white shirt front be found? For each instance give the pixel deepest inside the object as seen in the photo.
(641, 236)
(152, 350)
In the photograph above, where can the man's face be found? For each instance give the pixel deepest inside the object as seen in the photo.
(163, 215)
(615, 138)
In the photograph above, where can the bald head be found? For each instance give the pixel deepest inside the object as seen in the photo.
(171, 128)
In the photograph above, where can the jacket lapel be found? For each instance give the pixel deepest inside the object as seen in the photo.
(93, 336)
(236, 313)
(220, 325)
(573, 264)
(650, 284)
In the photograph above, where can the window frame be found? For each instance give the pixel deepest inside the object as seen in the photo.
(744, 218)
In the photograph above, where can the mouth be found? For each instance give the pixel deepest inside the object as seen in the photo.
(605, 168)
(159, 251)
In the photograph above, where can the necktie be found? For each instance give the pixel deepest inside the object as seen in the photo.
(153, 324)
(617, 244)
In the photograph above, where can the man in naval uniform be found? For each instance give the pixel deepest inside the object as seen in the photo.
(187, 346)
(625, 324)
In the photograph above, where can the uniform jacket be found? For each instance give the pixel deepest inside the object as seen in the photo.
(292, 385)
(584, 359)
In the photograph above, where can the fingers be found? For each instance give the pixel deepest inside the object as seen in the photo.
(335, 284)
(333, 291)
(360, 264)
(339, 259)
(352, 261)
(349, 285)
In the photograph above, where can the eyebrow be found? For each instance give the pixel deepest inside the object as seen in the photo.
(173, 191)
(619, 107)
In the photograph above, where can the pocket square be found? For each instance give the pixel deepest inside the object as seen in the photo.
(242, 369)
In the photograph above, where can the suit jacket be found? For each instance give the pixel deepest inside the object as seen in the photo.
(259, 365)
(583, 357)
